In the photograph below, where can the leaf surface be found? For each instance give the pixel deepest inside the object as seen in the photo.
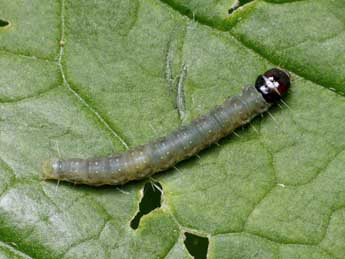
(90, 78)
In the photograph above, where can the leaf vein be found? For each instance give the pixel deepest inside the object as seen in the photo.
(76, 94)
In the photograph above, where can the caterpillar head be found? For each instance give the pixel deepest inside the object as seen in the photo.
(273, 84)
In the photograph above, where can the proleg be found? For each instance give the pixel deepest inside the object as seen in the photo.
(187, 141)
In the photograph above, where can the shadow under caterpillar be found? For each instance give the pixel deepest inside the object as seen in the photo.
(165, 152)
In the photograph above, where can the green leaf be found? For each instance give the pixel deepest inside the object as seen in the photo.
(90, 78)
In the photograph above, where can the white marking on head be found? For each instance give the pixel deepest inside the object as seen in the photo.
(270, 84)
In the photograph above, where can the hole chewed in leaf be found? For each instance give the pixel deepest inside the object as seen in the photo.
(151, 200)
(237, 4)
(197, 246)
(3, 23)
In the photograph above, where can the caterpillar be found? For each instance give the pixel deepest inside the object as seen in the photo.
(188, 140)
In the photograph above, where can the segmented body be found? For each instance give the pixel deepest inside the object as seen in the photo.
(164, 152)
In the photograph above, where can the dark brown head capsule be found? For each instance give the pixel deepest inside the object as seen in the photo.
(273, 84)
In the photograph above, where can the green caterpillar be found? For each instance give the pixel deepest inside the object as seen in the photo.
(165, 152)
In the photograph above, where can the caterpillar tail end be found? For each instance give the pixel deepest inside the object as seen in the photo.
(49, 169)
